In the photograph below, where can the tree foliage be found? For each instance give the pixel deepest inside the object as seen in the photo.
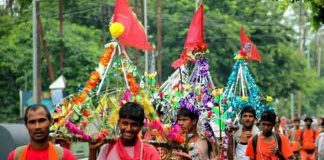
(282, 71)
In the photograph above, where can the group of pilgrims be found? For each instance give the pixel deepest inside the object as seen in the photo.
(125, 115)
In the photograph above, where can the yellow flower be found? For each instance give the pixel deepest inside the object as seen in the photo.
(269, 99)
(175, 99)
(152, 75)
(187, 87)
(244, 98)
(116, 29)
(218, 91)
(238, 56)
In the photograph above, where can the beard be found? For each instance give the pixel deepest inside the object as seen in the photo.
(248, 127)
(38, 140)
(267, 133)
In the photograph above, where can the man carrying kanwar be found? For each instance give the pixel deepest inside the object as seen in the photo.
(128, 146)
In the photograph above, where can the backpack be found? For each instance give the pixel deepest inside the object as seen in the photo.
(19, 150)
(255, 142)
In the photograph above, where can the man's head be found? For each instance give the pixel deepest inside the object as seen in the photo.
(268, 120)
(296, 122)
(131, 120)
(37, 121)
(248, 116)
(308, 122)
(187, 120)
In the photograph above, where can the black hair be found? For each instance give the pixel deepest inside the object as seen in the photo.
(296, 120)
(34, 108)
(187, 113)
(132, 111)
(308, 119)
(269, 115)
(248, 109)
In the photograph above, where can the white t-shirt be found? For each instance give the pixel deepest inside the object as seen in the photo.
(320, 146)
(240, 152)
(113, 155)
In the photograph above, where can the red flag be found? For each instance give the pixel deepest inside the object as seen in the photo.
(195, 36)
(134, 34)
(248, 49)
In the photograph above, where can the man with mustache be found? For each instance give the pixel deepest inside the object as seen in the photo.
(37, 121)
(268, 145)
(238, 142)
(128, 146)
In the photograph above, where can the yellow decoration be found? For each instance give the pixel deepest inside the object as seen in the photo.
(113, 117)
(175, 99)
(147, 105)
(187, 87)
(269, 99)
(116, 29)
(238, 56)
(218, 91)
(244, 98)
(102, 104)
(152, 75)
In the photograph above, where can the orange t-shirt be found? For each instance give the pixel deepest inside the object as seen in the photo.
(294, 142)
(309, 136)
(263, 149)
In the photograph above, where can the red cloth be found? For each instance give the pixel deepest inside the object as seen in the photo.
(149, 152)
(42, 154)
(195, 36)
(134, 34)
(308, 139)
(248, 49)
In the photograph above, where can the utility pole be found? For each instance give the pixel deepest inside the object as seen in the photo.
(159, 43)
(103, 24)
(37, 83)
(145, 28)
(61, 54)
(319, 52)
(197, 4)
(301, 50)
(292, 106)
(153, 63)
(41, 36)
(319, 61)
(136, 52)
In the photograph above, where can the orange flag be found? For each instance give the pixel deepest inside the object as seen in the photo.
(134, 34)
(248, 49)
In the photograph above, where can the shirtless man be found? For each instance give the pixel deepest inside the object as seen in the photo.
(198, 148)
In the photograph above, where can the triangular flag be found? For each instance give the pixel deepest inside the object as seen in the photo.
(248, 49)
(134, 34)
(195, 36)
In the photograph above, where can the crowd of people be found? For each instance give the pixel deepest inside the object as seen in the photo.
(273, 139)
(266, 139)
